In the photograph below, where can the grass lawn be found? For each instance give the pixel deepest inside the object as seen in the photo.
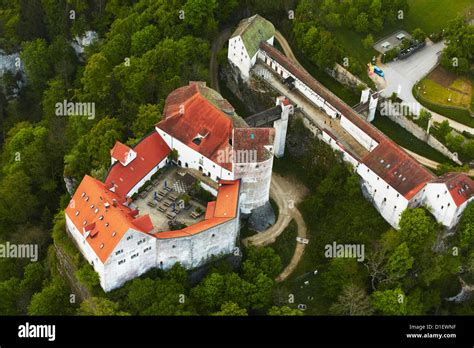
(441, 85)
(285, 244)
(432, 15)
(405, 139)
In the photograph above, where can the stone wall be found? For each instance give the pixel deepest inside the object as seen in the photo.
(419, 133)
(344, 77)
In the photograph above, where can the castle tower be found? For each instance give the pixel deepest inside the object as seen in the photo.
(281, 125)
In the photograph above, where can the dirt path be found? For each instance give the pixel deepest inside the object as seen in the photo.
(217, 45)
(287, 192)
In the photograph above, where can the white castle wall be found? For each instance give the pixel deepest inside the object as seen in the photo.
(238, 56)
(132, 243)
(194, 159)
(195, 250)
(255, 184)
(385, 198)
(439, 201)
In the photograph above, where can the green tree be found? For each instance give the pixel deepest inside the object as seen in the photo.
(148, 115)
(36, 59)
(261, 260)
(99, 306)
(418, 34)
(390, 302)
(284, 311)
(417, 229)
(199, 15)
(9, 296)
(231, 309)
(443, 129)
(362, 23)
(368, 41)
(145, 39)
(52, 300)
(466, 227)
(399, 262)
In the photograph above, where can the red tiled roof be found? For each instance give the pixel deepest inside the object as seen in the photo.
(188, 113)
(225, 208)
(120, 152)
(397, 168)
(459, 185)
(151, 150)
(249, 139)
(211, 206)
(93, 200)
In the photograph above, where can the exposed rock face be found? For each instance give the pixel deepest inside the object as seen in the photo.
(80, 42)
(257, 97)
(262, 218)
(71, 184)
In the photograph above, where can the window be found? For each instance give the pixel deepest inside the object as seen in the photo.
(449, 204)
(118, 252)
(77, 213)
(213, 235)
(129, 237)
(96, 210)
(398, 195)
(84, 222)
(442, 207)
(134, 256)
(101, 245)
(92, 206)
(437, 196)
(121, 261)
(174, 246)
(83, 194)
(101, 217)
(107, 224)
(146, 249)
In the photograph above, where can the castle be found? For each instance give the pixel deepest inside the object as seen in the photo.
(391, 179)
(149, 213)
(139, 219)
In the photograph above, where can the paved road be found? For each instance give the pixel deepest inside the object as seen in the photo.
(402, 75)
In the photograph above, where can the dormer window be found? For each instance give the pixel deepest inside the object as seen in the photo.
(101, 245)
(101, 217)
(106, 224)
(83, 194)
(77, 213)
(96, 210)
(92, 206)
